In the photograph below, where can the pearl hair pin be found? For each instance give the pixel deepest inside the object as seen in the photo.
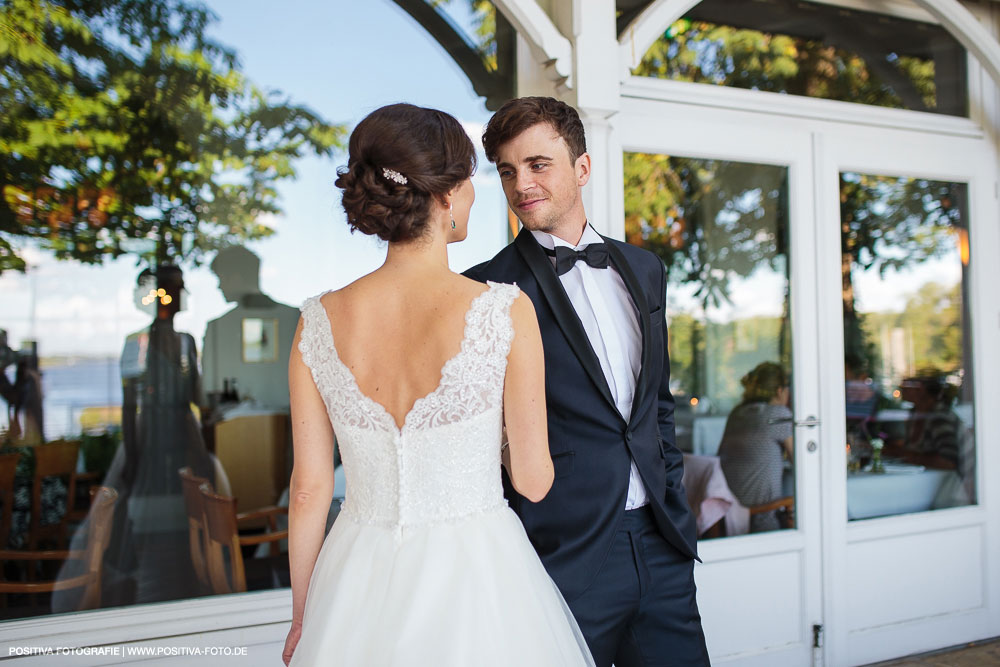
(394, 175)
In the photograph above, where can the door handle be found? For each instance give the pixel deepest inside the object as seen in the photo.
(808, 422)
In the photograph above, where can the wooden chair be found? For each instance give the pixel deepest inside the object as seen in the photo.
(222, 538)
(98, 536)
(784, 505)
(252, 450)
(8, 467)
(54, 459)
(191, 485)
(84, 483)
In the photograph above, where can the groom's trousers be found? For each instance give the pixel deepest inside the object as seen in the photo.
(640, 611)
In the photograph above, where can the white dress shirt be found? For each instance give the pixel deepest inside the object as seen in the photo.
(609, 317)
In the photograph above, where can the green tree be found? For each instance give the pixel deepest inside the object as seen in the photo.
(703, 52)
(888, 224)
(126, 129)
(484, 25)
(932, 320)
(708, 220)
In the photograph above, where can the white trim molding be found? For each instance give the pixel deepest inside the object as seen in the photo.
(795, 106)
(967, 29)
(550, 48)
(146, 622)
(646, 28)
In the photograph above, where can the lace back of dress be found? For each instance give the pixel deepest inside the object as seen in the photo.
(471, 382)
(445, 461)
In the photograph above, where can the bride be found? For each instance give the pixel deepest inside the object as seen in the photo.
(417, 370)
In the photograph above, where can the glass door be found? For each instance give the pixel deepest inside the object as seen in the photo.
(730, 213)
(909, 223)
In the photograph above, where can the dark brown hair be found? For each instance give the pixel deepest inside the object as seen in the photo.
(427, 147)
(516, 116)
(763, 382)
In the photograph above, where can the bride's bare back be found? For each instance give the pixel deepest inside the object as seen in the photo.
(396, 331)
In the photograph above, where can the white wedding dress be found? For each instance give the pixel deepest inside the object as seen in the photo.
(426, 564)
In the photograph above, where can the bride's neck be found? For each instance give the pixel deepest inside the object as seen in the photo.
(419, 254)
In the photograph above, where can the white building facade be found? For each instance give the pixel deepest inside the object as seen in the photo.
(844, 584)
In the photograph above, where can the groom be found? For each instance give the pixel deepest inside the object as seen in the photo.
(615, 532)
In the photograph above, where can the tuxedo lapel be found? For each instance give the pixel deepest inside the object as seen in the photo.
(639, 300)
(566, 317)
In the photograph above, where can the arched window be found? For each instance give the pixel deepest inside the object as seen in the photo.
(814, 50)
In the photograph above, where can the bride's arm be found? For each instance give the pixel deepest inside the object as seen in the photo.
(311, 488)
(530, 465)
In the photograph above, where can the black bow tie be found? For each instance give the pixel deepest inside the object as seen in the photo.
(595, 255)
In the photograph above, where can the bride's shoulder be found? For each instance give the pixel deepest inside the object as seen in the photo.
(332, 298)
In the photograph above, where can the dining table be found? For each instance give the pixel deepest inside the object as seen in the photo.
(903, 488)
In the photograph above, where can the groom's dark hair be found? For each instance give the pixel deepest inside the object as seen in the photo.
(517, 115)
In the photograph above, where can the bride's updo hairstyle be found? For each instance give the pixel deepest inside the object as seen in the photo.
(400, 156)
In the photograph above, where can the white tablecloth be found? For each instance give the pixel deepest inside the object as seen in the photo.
(902, 489)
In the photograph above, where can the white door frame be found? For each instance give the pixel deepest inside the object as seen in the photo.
(876, 606)
(851, 137)
(759, 594)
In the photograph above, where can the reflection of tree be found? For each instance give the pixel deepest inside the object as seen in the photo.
(124, 121)
(484, 23)
(932, 319)
(687, 353)
(711, 222)
(708, 220)
(888, 224)
(704, 52)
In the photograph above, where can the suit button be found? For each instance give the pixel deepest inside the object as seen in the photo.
(628, 436)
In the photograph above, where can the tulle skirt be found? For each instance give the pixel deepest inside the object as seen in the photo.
(472, 592)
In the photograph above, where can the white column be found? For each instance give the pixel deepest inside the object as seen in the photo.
(595, 93)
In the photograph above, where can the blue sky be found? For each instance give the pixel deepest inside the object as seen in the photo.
(341, 58)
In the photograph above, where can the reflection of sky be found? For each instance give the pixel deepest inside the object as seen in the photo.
(342, 59)
(875, 294)
(762, 293)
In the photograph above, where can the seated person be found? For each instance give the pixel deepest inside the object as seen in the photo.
(934, 433)
(758, 432)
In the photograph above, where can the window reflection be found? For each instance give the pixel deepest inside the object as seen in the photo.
(129, 426)
(907, 348)
(721, 228)
(756, 445)
(814, 50)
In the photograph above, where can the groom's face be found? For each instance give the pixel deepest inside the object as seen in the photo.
(542, 181)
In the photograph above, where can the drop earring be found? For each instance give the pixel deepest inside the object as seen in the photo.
(452, 215)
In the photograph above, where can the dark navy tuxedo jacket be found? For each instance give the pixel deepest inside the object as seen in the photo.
(591, 443)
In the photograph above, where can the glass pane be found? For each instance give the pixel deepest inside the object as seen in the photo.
(156, 240)
(721, 229)
(815, 50)
(907, 346)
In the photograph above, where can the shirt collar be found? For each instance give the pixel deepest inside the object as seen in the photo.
(550, 241)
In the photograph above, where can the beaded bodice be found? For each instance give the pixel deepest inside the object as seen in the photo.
(444, 463)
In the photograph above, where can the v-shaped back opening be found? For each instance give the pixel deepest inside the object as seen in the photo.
(380, 409)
